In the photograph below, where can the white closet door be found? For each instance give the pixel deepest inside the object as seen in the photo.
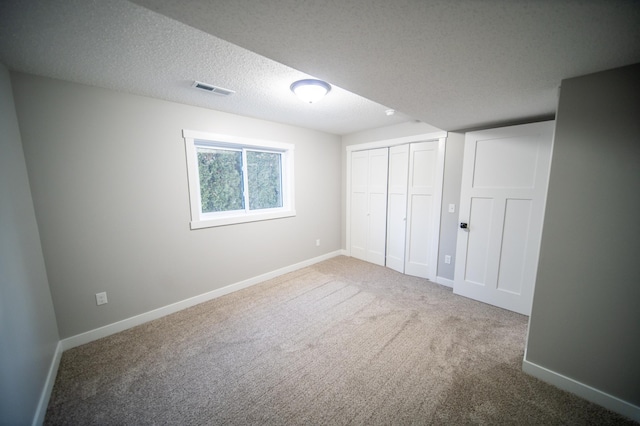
(368, 217)
(397, 206)
(377, 213)
(359, 204)
(423, 207)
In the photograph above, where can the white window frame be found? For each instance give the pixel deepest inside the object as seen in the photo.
(193, 139)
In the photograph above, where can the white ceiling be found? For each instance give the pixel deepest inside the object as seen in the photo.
(454, 64)
(119, 45)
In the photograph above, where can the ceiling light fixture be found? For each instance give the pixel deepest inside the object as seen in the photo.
(310, 90)
(390, 112)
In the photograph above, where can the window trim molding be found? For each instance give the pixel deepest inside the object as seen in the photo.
(201, 220)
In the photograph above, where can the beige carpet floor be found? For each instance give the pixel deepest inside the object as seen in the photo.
(340, 342)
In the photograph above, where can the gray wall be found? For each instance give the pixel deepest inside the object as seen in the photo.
(109, 184)
(451, 190)
(28, 332)
(585, 322)
(450, 195)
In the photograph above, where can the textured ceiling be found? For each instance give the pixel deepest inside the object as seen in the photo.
(451, 63)
(119, 45)
(455, 64)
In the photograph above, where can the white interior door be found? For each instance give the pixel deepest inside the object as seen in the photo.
(397, 206)
(423, 208)
(504, 187)
(368, 216)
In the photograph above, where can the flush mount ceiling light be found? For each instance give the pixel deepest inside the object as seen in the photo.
(310, 90)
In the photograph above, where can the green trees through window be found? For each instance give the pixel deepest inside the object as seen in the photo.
(221, 187)
(222, 181)
(265, 183)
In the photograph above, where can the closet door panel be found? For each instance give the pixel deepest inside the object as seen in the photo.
(368, 199)
(420, 260)
(359, 204)
(377, 228)
(377, 192)
(378, 166)
(397, 206)
(418, 247)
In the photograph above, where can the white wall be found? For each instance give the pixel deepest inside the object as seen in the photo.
(585, 321)
(109, 183)
(451, 189)
(28, 332)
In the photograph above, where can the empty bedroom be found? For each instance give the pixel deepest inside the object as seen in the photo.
(358, 212)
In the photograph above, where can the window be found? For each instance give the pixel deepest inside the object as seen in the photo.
(235, 180)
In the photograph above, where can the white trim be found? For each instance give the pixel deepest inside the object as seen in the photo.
(240, 140)
(445, 281)
(580, 389)
(116, 327)
(348, 205)
(244, 218)
(437, 219)
(193, 139)
(385, 143)
(43, 403)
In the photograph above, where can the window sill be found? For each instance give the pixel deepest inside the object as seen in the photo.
(244, 218)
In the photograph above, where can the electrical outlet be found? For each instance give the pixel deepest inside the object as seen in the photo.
(318, 243)
(101, 298)
(447, 259)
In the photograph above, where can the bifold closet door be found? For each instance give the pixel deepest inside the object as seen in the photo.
(423, 208)
(397, 206)
(368, 219)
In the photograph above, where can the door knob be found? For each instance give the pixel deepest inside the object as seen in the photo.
(464, 225)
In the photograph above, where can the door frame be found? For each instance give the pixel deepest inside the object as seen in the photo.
(441, 137)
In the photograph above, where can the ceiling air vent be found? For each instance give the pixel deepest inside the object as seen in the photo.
(212, 89)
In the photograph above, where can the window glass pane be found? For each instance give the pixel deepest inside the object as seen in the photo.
(265, 180)
(221, 184)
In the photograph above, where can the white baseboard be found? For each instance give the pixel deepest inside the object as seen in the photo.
(444, 281)
(43, 403)
(584, 391)
(107, 330)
